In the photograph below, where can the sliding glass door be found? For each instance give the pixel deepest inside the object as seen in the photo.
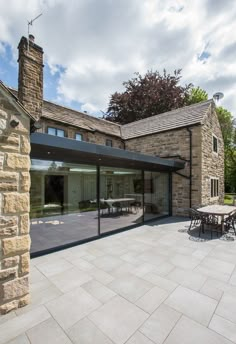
(75, 202)
(156, 194)
(121, 198)
(63, 203)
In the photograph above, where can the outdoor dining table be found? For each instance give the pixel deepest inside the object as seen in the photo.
(218, 210)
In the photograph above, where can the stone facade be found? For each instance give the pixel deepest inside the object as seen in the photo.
(30, 79)
(14, 208)
(205, 162)
(88, 136)
(212, 163)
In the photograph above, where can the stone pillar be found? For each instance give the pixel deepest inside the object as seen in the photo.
(14, 207)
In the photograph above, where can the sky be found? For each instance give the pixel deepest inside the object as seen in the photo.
(91, 47)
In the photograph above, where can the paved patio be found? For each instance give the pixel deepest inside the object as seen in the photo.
(152, 284)
(49, 232)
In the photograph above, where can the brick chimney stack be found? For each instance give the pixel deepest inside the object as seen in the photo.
(30, 77)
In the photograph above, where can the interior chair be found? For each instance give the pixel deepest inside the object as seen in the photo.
(104, 206)
(117, 206)
(135, 206)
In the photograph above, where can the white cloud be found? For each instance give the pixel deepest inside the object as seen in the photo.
(102, 43)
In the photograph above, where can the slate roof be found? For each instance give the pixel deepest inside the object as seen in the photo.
(75, 118)
(185, 116)
(79, 119)
(182, 117)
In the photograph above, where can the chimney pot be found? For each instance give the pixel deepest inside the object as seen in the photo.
(31, 38)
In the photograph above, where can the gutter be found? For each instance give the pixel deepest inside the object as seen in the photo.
(190, 166)
(190, 161)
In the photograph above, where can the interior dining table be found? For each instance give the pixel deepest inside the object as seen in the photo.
(111, 201)
(218, 210)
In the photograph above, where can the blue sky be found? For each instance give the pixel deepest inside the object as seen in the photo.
(91, 47)
(9, 75)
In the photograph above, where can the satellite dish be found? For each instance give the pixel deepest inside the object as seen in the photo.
(218, 95)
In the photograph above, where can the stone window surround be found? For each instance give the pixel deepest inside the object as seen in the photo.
(217, 187)
(77, 133)
(217, 142)
(109, 143)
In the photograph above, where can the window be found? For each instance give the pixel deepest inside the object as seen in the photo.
(78, 137)
(56, 132)
(214, 187)
(109, 142)
(215, 144)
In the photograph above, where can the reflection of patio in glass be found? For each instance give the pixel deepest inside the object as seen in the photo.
(57, 230)
(73, 202)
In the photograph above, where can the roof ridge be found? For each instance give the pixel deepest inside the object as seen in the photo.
(170, 112)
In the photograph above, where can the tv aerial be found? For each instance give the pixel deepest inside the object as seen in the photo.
(31, 23)
(217, 96)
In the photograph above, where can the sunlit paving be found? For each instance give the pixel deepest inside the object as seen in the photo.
(157, 283)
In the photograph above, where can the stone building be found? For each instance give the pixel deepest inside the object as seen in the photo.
(191, 134)
(90, 177)
(15, 124)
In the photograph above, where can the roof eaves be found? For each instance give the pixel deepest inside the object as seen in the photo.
(79, 112)
(88, 128)
(161, 131)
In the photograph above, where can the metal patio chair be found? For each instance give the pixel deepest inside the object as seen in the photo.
(230, 222)
(212, 223)
(195, 218)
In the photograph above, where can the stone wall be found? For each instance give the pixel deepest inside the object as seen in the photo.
(14, 209)
(88, 136)
(212, 163)
(173, 143)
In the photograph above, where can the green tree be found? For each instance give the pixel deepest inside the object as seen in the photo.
(146, 96)
(196, 95)
(228, 129)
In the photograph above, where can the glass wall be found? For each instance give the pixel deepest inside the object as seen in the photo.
(121, 198)
(156, 194)
(63, 203)
(65, 197)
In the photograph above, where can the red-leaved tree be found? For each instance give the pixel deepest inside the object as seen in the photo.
(147, 96)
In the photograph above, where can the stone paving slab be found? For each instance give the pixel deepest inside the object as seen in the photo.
(154, 284)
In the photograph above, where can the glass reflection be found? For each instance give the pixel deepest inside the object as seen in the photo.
(156, 194)
(64, 197)
(63, 203)
(120, 198)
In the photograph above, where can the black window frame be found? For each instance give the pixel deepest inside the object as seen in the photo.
(215, 144)
(214, 187)
(56, 130)
(111, 143)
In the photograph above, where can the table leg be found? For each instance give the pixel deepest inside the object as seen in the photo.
(222, 224)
